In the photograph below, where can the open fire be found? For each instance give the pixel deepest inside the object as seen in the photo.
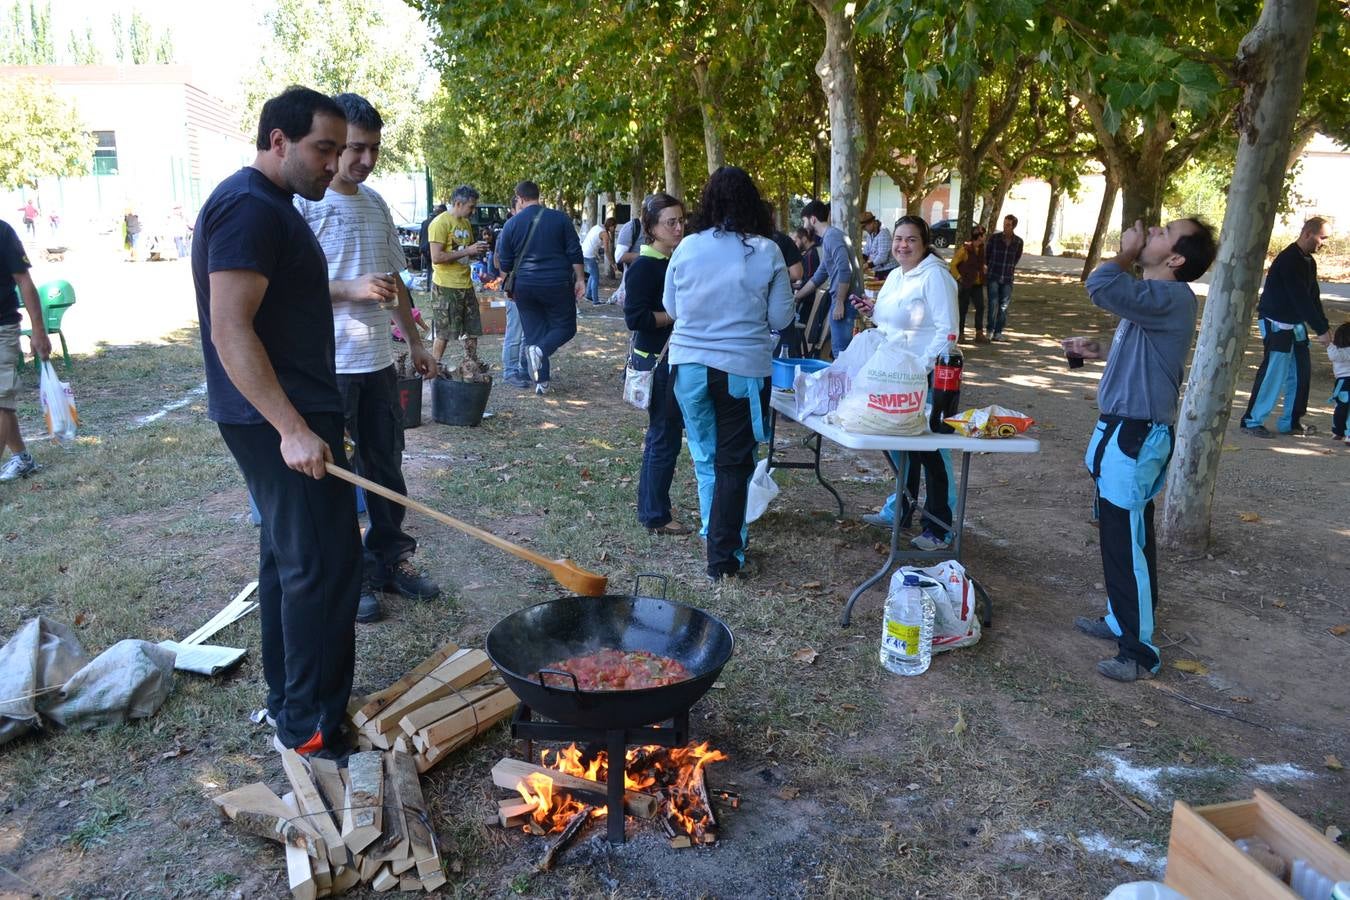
(673, 775)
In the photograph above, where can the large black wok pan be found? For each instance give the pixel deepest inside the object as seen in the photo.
(526, 641)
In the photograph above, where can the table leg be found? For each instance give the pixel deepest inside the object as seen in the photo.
(825, 484)
(959, 526)
(890, 559)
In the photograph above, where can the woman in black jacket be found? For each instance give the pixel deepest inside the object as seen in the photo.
(663, 223)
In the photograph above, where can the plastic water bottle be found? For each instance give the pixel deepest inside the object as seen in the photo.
(907, 628)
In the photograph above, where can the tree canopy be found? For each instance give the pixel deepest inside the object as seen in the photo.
(40, 134)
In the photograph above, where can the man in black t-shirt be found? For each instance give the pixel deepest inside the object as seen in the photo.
(267, 338)
(15, 281)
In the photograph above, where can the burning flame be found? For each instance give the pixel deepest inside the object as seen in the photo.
(676, 774)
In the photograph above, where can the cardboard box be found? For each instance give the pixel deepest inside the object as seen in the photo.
(492, 312)
(1204, 864)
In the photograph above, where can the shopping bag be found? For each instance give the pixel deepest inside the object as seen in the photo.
(819, 392)
(887, 395)
(955, 621)
(58, 404)
(762, 491)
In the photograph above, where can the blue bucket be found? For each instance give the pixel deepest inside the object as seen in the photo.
(785, 370)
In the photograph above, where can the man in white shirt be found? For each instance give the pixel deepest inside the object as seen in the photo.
(591, 246)
(353, 226)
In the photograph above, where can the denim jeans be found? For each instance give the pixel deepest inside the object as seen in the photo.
(1000, 295)
(513, 346)
(841, 331)
(665, 425)
(592, 264)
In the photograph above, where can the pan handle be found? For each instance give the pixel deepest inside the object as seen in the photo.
(664, 579)
(576, 687)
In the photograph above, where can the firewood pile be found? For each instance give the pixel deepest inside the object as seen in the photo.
(368, 823)
(449, 699)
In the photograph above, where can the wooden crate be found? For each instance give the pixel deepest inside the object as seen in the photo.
(1204, 864)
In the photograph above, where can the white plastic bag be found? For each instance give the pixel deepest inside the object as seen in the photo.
(762, 491)
(887, 396)
(955, 621)
(819, 392)
(58, 404)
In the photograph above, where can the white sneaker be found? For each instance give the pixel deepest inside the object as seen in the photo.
(20, 465)
(541, 388)
(535, 357)
(929, 542)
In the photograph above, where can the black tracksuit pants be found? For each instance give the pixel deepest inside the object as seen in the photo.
(309, 580)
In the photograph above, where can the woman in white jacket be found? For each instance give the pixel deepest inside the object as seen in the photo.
(917, 305)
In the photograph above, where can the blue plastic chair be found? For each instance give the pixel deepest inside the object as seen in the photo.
(56, 297)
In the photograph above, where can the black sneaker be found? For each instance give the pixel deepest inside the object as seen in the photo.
(406, 581)
(1301, 431)
(1123, 670)
(1094, 628)
(1259, 431)
(368, 609)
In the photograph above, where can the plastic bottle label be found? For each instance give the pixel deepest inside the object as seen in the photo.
(946, 378)
(907, 636)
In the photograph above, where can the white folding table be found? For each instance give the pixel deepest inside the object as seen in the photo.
(783, 403)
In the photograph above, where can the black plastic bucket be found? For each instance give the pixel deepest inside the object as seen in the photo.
(459, 402)
(410, 399)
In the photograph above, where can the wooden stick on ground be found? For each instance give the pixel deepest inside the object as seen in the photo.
(1123, 798)
(572, 829)
(1205, 706)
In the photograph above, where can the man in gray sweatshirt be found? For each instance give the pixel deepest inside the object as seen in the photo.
(1132, 443)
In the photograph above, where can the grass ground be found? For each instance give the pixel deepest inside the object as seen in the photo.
(981, 778)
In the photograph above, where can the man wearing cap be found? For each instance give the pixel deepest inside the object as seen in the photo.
(876, 246)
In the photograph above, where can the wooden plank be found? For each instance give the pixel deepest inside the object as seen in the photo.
(323, 870)
(299, 870)
(456, 673)
(483, 714)
(232, 612)
(409, 883)
(513, 813)
(393, 842)
(1203, 864)
(418, 719)
(421, 837)
(312, 806)
(362, 817)
(384, 880)
(345, 878)
(257, 810)
(399, 866)
(371, 704)
(432, 882)
(331, 787)
(373, 738)
(508, 773)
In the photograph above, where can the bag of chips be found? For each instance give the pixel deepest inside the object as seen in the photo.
(990, 422)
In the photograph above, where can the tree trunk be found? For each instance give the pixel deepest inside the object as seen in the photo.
(1052, 218)
(969, 169)
(1094, 251)
(1144, 174)
(670, 153)
(838, 78)
(712, 126)
(1271, 64)
(588, 210)
(864, 187)
(1303, 133)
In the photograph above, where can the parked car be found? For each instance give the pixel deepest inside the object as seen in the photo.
(944, 233)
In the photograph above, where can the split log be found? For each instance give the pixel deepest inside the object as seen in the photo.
(459, 671)
(409, 883)
(258, 811)
(385, 880)
(345, 878)
(509, 773)
(476, 718)
(680, 842)
(393, 842)
(299, 870)
(311, 805)
(421, 837)
(418, 719)
(362, 816)
(569, 833)
(371, 704)
(513, 813)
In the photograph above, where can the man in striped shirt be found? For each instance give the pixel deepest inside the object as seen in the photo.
(358, 237)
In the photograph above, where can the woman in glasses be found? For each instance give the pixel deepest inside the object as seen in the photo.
(663, 222)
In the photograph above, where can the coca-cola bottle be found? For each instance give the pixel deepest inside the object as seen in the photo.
(946, 387)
